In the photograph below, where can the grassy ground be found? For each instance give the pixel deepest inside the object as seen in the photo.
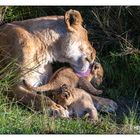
(114, 31)
(15, 119)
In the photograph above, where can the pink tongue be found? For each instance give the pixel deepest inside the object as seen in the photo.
(83, 74)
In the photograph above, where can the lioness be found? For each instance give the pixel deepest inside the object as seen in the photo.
(36, 43)
(66, 75)
(77, 101)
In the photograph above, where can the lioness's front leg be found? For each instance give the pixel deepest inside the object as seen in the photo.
(37, 102)
(104, 104)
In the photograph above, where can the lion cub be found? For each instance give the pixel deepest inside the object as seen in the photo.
(68, 76)
(77, 101)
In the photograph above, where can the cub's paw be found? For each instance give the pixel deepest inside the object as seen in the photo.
(98, 92)
(59, 111)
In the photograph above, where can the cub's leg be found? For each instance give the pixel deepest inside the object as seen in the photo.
(87, 86)
(43, 88)
(93, 113)
(104, 104)
(37, 102)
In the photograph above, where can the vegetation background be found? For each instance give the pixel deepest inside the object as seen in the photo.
(115, 34)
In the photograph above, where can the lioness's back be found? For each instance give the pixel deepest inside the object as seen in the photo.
(36, 24)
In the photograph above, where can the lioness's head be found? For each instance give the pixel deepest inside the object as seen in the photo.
(75, 46)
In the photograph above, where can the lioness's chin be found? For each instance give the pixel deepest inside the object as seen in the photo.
(81, 69)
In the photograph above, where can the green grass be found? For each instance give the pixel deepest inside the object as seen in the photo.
(15, 119)
(112, 30)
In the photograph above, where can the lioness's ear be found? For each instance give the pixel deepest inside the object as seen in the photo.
(73, 19)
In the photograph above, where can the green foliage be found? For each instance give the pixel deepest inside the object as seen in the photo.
(114, 33)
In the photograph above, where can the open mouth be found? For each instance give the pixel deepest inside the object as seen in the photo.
(85, 73)
(82, 73)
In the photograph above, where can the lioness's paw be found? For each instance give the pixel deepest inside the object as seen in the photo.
(59, 111)
(112, 107)
(109, 106)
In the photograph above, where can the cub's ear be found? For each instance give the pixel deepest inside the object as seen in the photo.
(64, 86)
(73, 19)
(97, 65)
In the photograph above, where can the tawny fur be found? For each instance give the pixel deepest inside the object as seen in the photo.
(36, 43)
(77, 101)
(68, 76)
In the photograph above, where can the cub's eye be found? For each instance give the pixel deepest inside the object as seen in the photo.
(66, 96)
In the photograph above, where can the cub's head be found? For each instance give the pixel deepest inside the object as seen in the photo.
(64, 96)
(97, 73)
(76, 48)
